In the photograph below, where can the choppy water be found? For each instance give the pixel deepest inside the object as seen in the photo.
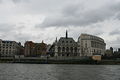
(59, 72)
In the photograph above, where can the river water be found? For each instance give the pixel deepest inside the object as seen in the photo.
(58, 72)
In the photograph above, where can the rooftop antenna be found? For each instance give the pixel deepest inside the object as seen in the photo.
(56, 39)
(66, 34)
(42, 41)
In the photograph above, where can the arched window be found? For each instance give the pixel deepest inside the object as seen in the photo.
(63, 49)
(75, 49)
(59, 49)
(71, 49)
(67, 49)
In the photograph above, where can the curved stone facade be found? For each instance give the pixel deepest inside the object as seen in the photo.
(89, 45)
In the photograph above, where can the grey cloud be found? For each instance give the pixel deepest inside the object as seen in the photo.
(19, 1)
(15, 35)
(115, 32)
(0, 1)
(9, 31)
(21, 36)
(16, 1)
(6, 27)
(117, 16)
(115, 44)
(75, 16)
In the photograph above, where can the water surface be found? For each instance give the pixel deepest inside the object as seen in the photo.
(59, 72)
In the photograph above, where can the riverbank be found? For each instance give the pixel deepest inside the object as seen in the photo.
(62, 61)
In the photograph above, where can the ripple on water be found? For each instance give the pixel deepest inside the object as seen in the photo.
(59, 72)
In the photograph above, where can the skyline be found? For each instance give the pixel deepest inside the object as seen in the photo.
(38, 20)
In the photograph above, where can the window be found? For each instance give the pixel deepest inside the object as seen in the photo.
(85, 45)
(63, 49)
(59, 49)
(67, 49)
(75, 49)
(71, 49)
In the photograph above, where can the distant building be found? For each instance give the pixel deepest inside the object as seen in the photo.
(116, 54)
(48, 49)
(96, 57)
(111, 49)
(29, 47)
(119, 50)
(35, 49)
(109, 52)
(89, 45)
(40, 49)
(65, 46)
(9, 48)
(51, 50)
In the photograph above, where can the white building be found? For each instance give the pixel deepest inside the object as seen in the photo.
(9, 48)
(65, 46)
(90, 45)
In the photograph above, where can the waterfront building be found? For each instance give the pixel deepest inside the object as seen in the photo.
(97, 57)
(109, 52)
(65, 46)
(116, 54)
(35, 49)
(48, 49)
(51, 50)
(40, 49)
(9, 48)
(29, 47)
(89, 45)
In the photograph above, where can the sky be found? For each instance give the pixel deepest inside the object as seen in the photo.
(37, 20)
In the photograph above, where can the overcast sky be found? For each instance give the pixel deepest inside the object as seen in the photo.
(38, 20)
